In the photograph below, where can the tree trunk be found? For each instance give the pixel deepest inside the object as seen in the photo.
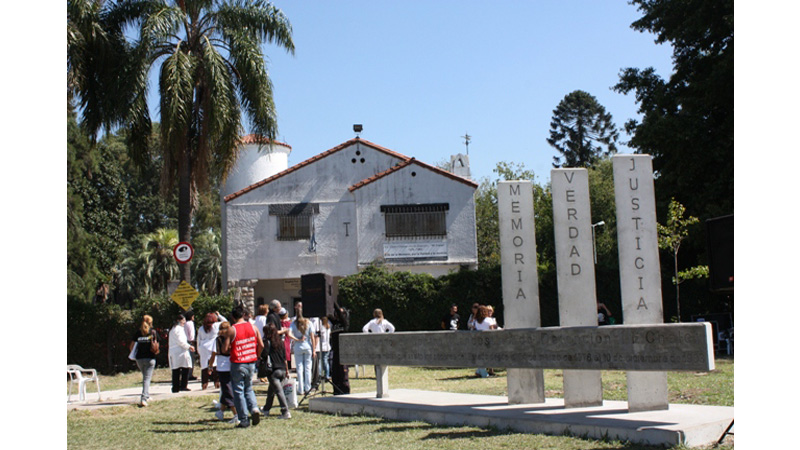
(677, 287)
(185, 209)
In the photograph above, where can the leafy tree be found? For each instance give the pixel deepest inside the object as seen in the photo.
(211, 73)
(581, 131)
(670, 237)
(96, 203)
(687, 122)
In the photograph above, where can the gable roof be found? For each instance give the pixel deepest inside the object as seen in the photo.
(405, 161)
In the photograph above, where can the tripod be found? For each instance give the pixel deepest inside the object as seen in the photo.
(316, 380)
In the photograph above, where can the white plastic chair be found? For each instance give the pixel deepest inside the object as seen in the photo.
(82, 376)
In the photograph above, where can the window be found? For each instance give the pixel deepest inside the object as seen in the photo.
(295, 220)
(428, 220)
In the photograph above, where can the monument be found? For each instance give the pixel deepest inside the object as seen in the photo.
(577, 299)
(520, 279)
(643, 346)
(639, 267)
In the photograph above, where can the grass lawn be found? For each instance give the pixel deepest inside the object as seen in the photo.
(188, 422)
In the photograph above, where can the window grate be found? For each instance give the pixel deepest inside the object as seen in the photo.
(429, 220)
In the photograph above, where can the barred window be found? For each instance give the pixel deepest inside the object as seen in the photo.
(425, 220)
(295, 221)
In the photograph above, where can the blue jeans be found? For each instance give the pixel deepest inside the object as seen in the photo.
(304, 364)
(326, 367)
(243, 396)
(146, 365)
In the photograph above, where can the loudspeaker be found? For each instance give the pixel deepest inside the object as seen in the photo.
(316, 292)
(720, 253)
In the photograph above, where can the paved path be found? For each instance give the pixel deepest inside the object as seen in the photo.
(130, 396)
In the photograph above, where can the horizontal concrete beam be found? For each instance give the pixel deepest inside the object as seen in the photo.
(659, 347)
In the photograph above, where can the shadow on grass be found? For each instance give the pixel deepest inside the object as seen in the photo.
(198, 426)
(465, 377)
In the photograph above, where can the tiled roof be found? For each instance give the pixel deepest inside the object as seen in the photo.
(405, 160)
(255, 139)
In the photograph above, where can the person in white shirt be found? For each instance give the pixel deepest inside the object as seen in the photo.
(206, 340)
(378, 324)
(261, 319)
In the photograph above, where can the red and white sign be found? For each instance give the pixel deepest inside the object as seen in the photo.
(183, 252)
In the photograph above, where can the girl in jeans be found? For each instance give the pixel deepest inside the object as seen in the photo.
(146, 340)
(277, 357)
(304, 348)
(325, 347)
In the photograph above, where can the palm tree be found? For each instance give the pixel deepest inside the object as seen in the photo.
(95, 53)
(207, 262)
(158, 266)
(211, 73)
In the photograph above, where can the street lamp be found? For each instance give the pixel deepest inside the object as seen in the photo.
(594, 242)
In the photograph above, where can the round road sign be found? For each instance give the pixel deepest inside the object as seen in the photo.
(183, 252)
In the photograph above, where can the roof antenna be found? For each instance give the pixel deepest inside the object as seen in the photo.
(466, 138)
(357, 128)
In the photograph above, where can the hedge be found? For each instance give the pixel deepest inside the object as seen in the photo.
(99, 335)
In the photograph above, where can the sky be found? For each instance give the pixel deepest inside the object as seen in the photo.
(419, 75)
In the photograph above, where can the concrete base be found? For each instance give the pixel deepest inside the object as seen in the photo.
(691, 425)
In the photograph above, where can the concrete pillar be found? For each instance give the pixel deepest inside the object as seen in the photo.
(382, 379)
(639, 267)
(520, 280)
(577, 297)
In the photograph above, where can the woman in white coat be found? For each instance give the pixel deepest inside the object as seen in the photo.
(180, 358)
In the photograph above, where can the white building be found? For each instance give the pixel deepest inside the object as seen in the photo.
(351, 206)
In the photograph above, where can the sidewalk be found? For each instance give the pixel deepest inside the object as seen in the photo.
(130, 396)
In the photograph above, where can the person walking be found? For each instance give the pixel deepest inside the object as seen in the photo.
(304, 349)
(274, 350)
(245, 345)
(222, 361)
(147, 347)
(180, 359)
(206, 341)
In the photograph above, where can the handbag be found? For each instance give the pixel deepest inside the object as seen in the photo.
(132, 355)
(155, 348)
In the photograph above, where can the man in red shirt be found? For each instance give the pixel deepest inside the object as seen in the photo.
(245, 345)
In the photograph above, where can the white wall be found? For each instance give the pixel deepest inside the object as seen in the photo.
(416, 184)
